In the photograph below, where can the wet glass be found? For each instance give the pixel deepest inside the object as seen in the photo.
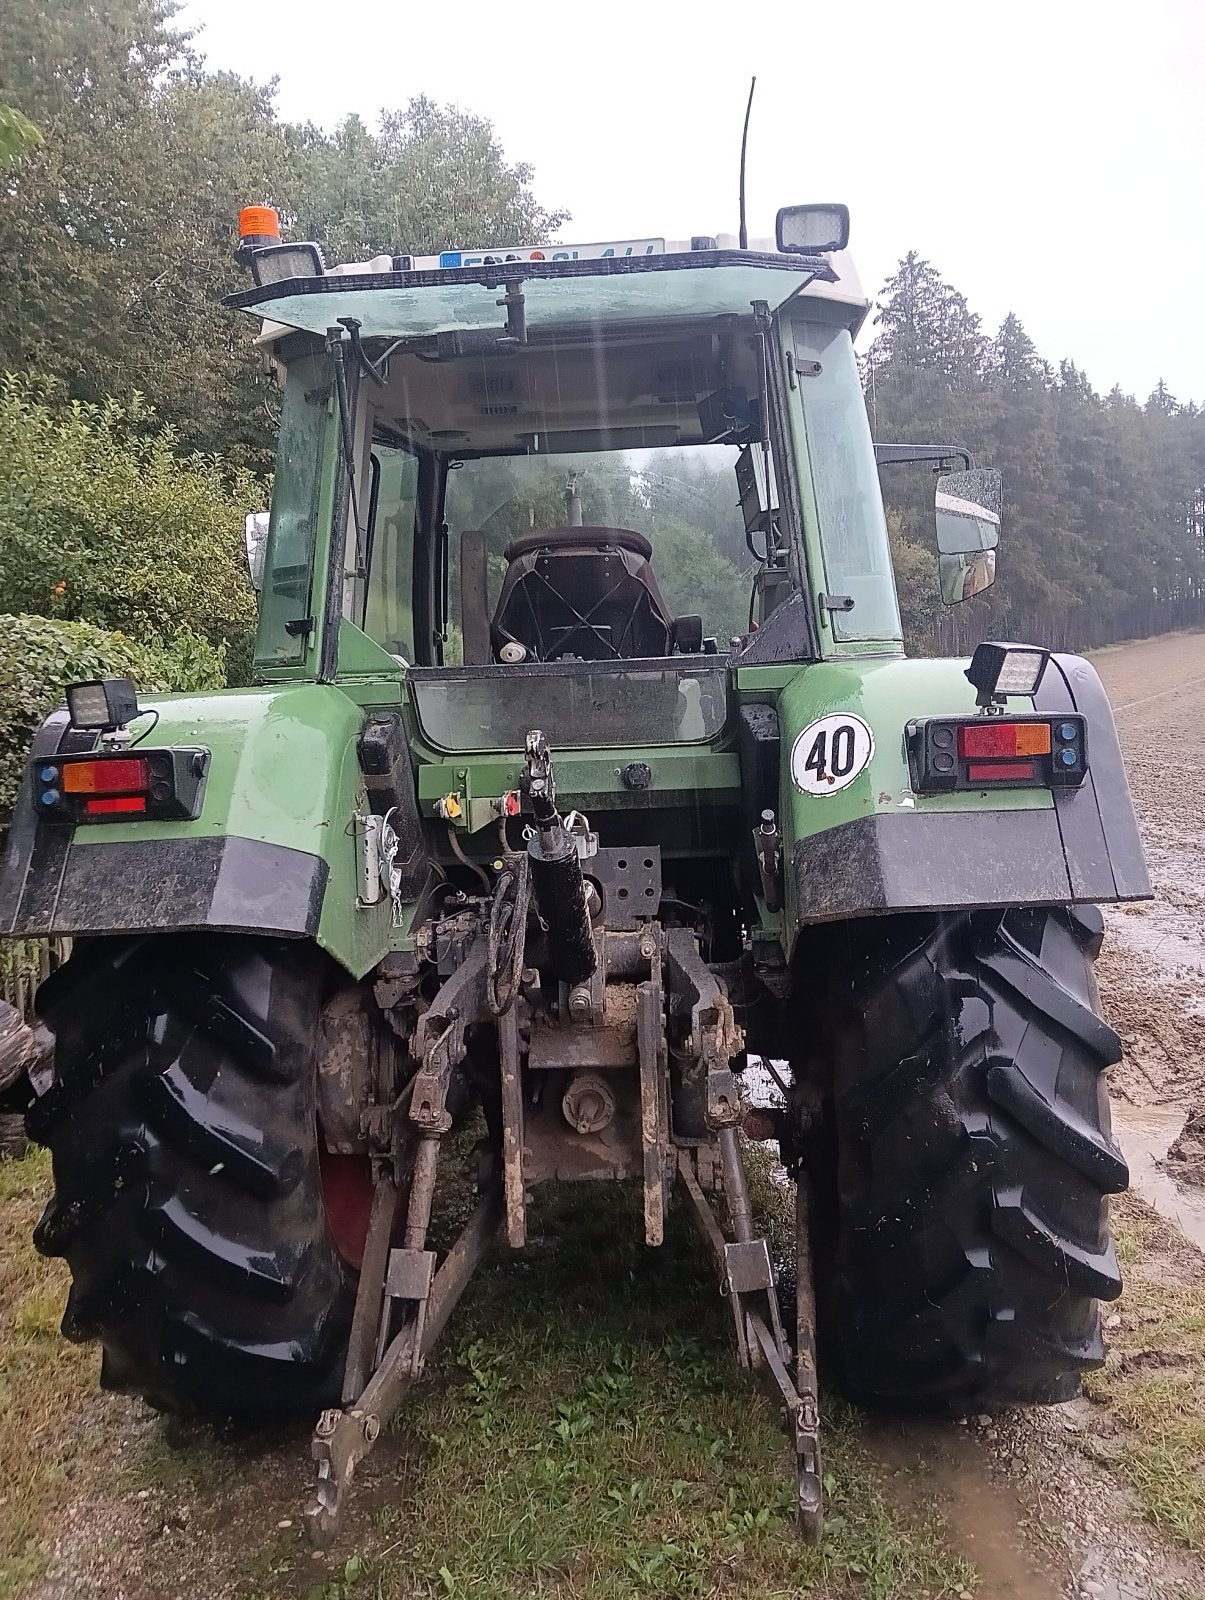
(577, 705)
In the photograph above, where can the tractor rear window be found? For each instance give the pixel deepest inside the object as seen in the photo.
(577, 705)
(594, 554)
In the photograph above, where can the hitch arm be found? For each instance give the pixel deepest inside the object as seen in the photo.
(343, 1438)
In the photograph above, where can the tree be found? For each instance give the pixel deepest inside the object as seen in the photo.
(433, 176)
(116, 234)
(101, 522)
(1102, 526)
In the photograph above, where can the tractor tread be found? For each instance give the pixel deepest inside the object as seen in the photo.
(188, 1198)
(974, 1161)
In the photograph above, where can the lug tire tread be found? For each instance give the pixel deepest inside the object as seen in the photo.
(188, 1200)
(974, 1161)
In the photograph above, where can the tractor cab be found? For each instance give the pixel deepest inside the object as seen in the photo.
(599, 454)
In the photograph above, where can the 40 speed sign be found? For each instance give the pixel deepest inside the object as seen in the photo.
(830, 753)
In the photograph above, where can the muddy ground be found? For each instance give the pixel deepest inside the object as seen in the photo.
(1104, 1497)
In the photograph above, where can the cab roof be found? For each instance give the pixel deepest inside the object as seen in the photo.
(424, 301)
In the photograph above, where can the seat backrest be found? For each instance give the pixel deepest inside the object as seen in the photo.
(585, 592)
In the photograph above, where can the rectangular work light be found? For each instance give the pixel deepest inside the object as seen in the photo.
(998, 670)
(812, 230)
(102, 703)
(276, 262)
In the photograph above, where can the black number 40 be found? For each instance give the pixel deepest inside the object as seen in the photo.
(835, 759)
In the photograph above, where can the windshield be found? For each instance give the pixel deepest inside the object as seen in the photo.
(684, 503)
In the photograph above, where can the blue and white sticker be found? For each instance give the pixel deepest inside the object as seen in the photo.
(830, 753)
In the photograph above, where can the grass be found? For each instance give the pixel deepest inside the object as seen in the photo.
(43, 1379)
(586, 1434)
(582, 1431)
(1154, 1381)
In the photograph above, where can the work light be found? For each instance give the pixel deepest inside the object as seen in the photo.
(812, 230)
(102, 703)
(998, 670)
(275, 262)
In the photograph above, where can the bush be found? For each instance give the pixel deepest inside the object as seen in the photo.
(101, 522)
(39, 657)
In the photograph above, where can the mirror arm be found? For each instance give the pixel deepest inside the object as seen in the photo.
(905, 455)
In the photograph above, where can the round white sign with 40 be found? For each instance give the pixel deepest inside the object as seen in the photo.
(830, 753)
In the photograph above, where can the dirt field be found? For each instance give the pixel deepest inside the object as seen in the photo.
(625, 1458)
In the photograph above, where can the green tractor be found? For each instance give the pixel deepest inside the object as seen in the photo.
(498, 829)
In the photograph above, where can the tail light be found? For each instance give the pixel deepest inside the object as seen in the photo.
(946, 753)
(103, 786)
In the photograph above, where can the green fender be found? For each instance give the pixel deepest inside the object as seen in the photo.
(273, 850)
(875, 845)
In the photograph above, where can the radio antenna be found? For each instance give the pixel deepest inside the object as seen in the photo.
(744, 142)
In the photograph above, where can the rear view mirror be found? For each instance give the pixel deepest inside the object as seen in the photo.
(968, 531)
(968, 511)
(256, 534)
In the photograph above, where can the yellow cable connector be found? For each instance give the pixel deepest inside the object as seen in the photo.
(449, 808)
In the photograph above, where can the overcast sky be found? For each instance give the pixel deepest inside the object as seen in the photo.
(1048, 156)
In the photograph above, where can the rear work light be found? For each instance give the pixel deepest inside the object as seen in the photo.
(161, 785)
(946, 753)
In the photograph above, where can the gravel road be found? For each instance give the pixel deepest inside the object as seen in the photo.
(1152, 970)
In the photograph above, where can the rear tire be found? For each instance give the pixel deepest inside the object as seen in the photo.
(188, 1201)
(974, 1160)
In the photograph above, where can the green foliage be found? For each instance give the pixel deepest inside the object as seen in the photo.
(116, 234)
(431, 176)
(39, 657)
(696, 580)
(18, 136)
(100, 521)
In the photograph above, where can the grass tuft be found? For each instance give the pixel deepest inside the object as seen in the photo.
(1154, 1380)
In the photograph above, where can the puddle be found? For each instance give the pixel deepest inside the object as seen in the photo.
(1146, 1134)
(1168, 936)
(940, 1466)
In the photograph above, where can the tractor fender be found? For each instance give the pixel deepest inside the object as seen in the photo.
(878, 846)
(273, 850)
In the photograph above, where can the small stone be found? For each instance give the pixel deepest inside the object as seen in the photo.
(983, 1420)
(285, 1522)
(144, 1494)
(315, 1555)
(965, 1594)
(1114, 1321)
(1018, 1465)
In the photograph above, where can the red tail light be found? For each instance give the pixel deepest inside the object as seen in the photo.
(159, 785)
(1002, 741)
(132, 803)
(110, 776)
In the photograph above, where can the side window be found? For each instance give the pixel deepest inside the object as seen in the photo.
(388, 600)
(286, 604)
(845, 483)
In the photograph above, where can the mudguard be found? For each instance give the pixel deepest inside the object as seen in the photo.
(879, 847)
(272, 852)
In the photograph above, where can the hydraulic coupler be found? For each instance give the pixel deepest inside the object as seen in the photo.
(556, 872)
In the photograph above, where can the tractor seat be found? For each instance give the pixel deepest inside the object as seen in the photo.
(586, 593)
